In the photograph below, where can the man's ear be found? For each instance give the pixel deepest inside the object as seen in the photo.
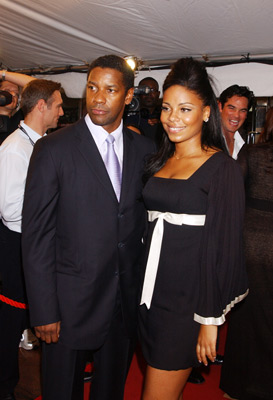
(41, 105)
(129, 96)
(220, 106)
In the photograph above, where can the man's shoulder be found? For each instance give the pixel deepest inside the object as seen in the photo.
(66, 133)
(13, 140)
(15, 148)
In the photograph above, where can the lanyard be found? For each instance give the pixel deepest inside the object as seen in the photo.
(25, 132)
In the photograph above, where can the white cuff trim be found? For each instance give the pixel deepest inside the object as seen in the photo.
(219, 320)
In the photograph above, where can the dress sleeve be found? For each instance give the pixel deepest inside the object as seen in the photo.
(223, 274)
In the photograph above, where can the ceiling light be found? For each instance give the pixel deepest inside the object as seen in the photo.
(131, 61)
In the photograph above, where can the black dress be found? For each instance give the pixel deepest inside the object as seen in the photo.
(201, 270)
(247, 372)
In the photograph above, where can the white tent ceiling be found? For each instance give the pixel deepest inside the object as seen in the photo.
(38, 34)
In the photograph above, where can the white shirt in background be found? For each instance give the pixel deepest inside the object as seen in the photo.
(15, 153)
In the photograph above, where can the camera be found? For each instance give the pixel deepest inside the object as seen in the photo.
(141, 90)
(134, 106)
(5, 98)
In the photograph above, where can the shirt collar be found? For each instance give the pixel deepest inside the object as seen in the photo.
(100, 134)
(32, 134)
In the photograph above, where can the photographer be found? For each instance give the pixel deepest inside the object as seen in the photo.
(147, 118)
(10, 84)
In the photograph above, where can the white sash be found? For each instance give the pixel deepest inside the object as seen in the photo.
(155, 247)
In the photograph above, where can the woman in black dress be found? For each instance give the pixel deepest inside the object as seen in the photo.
(194, 262)
(247, 372)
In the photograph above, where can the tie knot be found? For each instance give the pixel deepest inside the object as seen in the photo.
(110, 139)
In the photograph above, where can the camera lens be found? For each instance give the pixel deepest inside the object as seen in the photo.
(134, 105)
(5, 98)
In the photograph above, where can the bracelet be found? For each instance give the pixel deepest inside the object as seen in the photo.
(3, 75)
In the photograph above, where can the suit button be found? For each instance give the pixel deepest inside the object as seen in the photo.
(116, 273)
(120, 245)
(120, 215)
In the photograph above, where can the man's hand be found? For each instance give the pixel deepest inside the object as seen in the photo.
(48, 333)
(206, 343)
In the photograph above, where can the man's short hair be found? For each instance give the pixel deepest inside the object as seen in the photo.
(148, 78)
(236, 90)
(118, 63)
(36, 90)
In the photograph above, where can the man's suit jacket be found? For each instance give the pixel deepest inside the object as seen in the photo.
(80, 245)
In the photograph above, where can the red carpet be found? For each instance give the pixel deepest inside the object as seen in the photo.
(206, 391)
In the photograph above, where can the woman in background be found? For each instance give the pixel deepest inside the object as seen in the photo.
(247, 372)
(195, 268)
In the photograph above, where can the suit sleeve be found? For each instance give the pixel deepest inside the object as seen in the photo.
(38, 236)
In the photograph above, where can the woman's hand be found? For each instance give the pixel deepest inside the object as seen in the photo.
(206, 343)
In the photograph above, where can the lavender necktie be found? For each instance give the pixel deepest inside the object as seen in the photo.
(113, 166)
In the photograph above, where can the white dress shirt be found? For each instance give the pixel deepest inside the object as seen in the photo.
(15, 153)
(238, 144)
(99, 135)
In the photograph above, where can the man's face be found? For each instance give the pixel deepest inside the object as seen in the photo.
(14, 91)
(150, 100)
(233, 114)
(106, 97)
(53, 110)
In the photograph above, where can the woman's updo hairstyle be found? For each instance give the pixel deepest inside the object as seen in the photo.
(192, 75)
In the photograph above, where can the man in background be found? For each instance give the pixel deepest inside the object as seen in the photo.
(42, 107)
(234, 104)
(147, 119)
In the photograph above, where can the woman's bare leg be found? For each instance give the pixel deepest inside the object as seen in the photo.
(164, 385)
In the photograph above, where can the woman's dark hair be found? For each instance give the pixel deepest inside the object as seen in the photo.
(267, 132)
(192, 75)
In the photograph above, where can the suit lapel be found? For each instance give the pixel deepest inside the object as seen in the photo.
(88, 149)
(129, 161)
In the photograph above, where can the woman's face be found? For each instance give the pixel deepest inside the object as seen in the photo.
(183, 114)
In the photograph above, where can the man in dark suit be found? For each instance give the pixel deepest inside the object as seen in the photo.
(82, 241)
